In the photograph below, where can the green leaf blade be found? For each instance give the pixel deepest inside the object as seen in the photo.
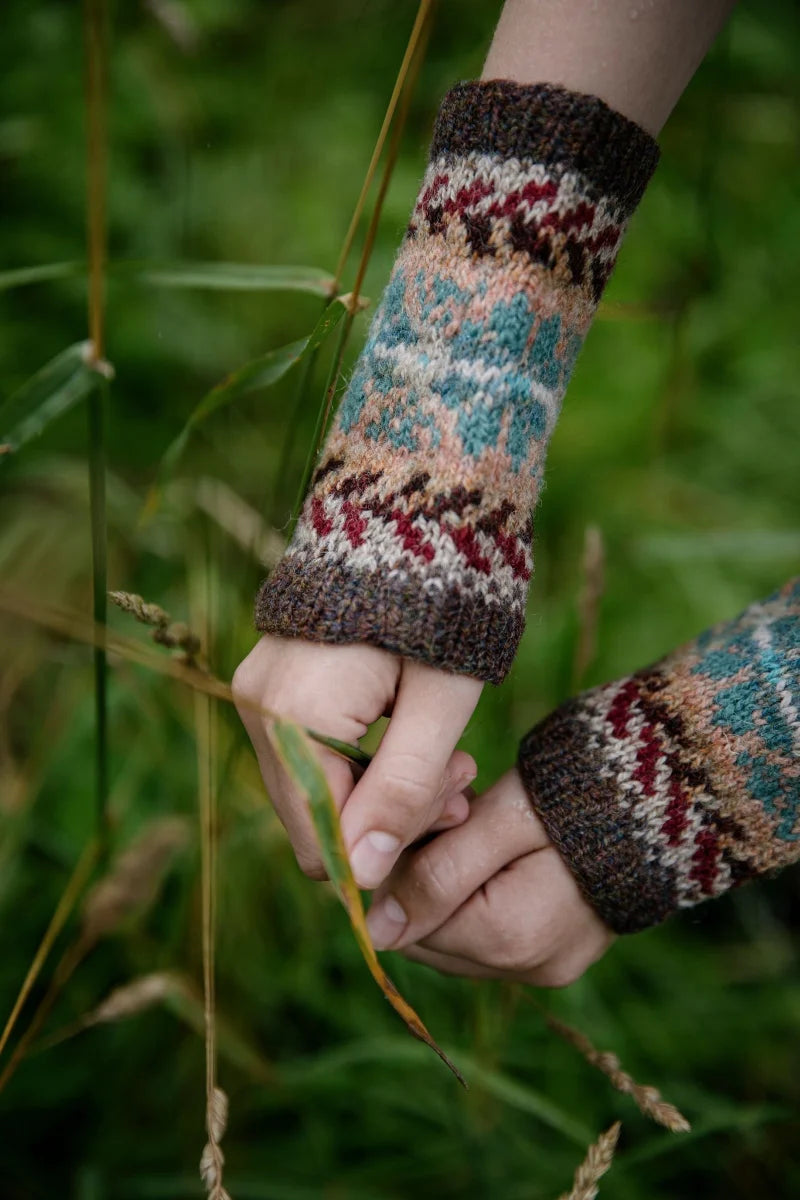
(54, 390)
(230, 277)
(24, 276)
(258, 374)
(205, 276)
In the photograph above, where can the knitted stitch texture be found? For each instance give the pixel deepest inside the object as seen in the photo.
(679, 782)
(416, 534)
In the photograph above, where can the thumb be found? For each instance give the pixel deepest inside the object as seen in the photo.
(404, 788)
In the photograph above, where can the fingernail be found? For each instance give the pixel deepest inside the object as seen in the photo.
(371, 858)
(386, 920)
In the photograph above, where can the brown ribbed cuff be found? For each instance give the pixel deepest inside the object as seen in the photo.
(583, 812)
(437, 625)
(547, 124)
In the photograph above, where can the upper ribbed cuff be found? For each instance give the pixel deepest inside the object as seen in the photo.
(547, 124)
(439, 625)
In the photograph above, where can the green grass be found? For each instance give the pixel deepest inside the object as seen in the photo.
(679, 439)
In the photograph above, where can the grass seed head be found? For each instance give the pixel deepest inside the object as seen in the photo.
(135, 876)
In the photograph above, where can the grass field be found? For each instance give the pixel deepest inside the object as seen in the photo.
(240, 133)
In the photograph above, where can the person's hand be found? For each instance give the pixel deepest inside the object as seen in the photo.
(492, 898)
(417, 778)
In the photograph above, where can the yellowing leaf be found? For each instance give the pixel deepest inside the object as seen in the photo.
(299, 759)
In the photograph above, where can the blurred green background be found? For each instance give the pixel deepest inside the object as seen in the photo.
(240, 131)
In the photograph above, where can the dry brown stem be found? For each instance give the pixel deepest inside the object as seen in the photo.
(130, 885)
(418, 28)
(598, 1159)
(592, 588)
(75, 625)
(63, 909)
(648, 1099)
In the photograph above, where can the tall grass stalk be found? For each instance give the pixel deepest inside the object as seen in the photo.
(416, 41)
(205, 715)
(96, 40)
(404, 88)
(419, 34)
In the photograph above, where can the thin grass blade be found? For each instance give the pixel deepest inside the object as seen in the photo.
(23, 276)
(260, 373)
(207, 276)
(54, 390)
(231, 277)
(303, 766)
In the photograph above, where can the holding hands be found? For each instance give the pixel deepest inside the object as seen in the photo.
(404, 586)
(488, 895)
(416, 782)
(491, 898)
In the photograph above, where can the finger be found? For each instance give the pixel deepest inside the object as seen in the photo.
(455, 793)
(454, 813)
(400, 794)
(291, 804)
(449, 965)
(336, 690)
(517, 920)
(430, 884)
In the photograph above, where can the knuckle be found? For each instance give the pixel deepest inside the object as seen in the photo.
(558, 974)
(506, 950)
(507, 944)
(311, 865)
(412, 785)
(435, 874)
(244, 684)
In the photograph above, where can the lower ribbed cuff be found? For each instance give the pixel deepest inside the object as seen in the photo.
(444, 628)
(592, 828)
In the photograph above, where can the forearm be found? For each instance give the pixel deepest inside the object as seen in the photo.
(417, 534)
(637, 55)
(672, 785)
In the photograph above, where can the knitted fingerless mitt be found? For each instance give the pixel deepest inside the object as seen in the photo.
(416, 534)
(681, 781)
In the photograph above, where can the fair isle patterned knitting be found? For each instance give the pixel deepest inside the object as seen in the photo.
(416, 534)
(679, 782)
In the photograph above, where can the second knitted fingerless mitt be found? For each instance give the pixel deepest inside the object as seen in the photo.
(672, 785)
(416, 534)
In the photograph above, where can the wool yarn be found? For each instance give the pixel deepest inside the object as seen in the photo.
(672, 785)
(416, 535)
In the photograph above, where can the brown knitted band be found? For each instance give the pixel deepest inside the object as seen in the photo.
(397, 614)
(581, 811)
(548, 124)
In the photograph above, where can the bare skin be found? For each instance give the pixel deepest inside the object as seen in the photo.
(490, 895)
(491, 899)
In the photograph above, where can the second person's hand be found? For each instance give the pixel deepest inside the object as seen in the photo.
(417, 778)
